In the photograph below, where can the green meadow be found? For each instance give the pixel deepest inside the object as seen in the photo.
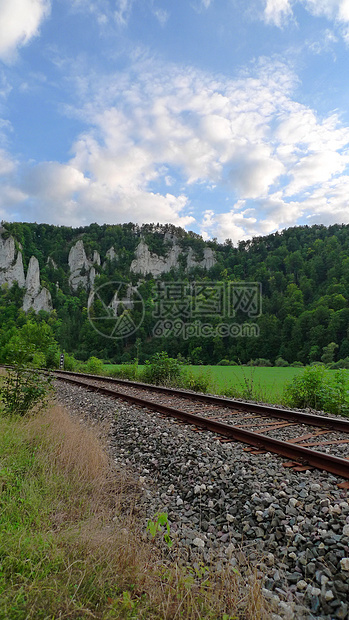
(265, 384)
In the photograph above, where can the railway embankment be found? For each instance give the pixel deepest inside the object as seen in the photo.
(233, 506)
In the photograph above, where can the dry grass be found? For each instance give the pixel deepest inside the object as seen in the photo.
(86, 549)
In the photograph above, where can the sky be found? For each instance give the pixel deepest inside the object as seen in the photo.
(226, 117)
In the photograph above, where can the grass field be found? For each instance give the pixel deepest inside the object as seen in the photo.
(266, 384)
(249, 382)
(252, 382)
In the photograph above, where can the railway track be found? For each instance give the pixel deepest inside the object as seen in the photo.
(308, 440)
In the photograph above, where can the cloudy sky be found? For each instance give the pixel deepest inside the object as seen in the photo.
(226, 117)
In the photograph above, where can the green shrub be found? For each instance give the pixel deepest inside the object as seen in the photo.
(343, 363)
(223, 363)
(318, 389)
(94, 366)
(297, 365)
(280, 362)
(70, 363)
(162, 370)
(196, 382)
(24, 389)
(33, 345)
(260, 361)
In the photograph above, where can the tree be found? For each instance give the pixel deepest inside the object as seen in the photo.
(328, 353)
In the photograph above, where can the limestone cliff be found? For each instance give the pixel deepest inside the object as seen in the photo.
(35, 296)
(11, 271)
(79, 266)
(11, 263)
(148, 262)
(206, 263)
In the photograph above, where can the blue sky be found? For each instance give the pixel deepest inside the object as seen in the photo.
(226, 117)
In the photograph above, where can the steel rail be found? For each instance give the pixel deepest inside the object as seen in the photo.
(335, 424)
(320, 460)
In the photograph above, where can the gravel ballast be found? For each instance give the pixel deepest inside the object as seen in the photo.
(231, 506)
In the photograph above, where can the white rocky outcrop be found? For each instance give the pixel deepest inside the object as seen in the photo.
(35, 296)
(147, 262)
(32, 281)
(80, 267)
(111, 254)
(206, 263)
(96, 260)
(42, 301)
(11, 266)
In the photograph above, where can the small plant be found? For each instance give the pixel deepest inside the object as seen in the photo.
(94, 366)
(197, 382)
(248, 389)
(160, 521)
(24, 389)
(162, 370)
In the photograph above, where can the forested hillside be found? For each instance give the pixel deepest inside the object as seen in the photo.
(303, 273)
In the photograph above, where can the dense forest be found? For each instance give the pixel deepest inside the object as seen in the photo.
(303, 273)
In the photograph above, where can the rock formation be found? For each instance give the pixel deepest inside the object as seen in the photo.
(206, 263)
(80, 267)
(111, 254)
(11, 266)
(35, 296)
(96, 260)
(147, 262)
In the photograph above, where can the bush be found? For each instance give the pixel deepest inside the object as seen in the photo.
(280, 362)
(162, 370)
(94, 366)
(297, 365)
(196, 382)
(32, 345)
(318, 389)
(223, 363)
(343, 363)
(260, 361)
(24, 389)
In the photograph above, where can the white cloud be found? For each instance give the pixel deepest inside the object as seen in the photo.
(161, 15)
(277, 12)
(19, 23)
(123, 11)
(7, 165)
(160, 126)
